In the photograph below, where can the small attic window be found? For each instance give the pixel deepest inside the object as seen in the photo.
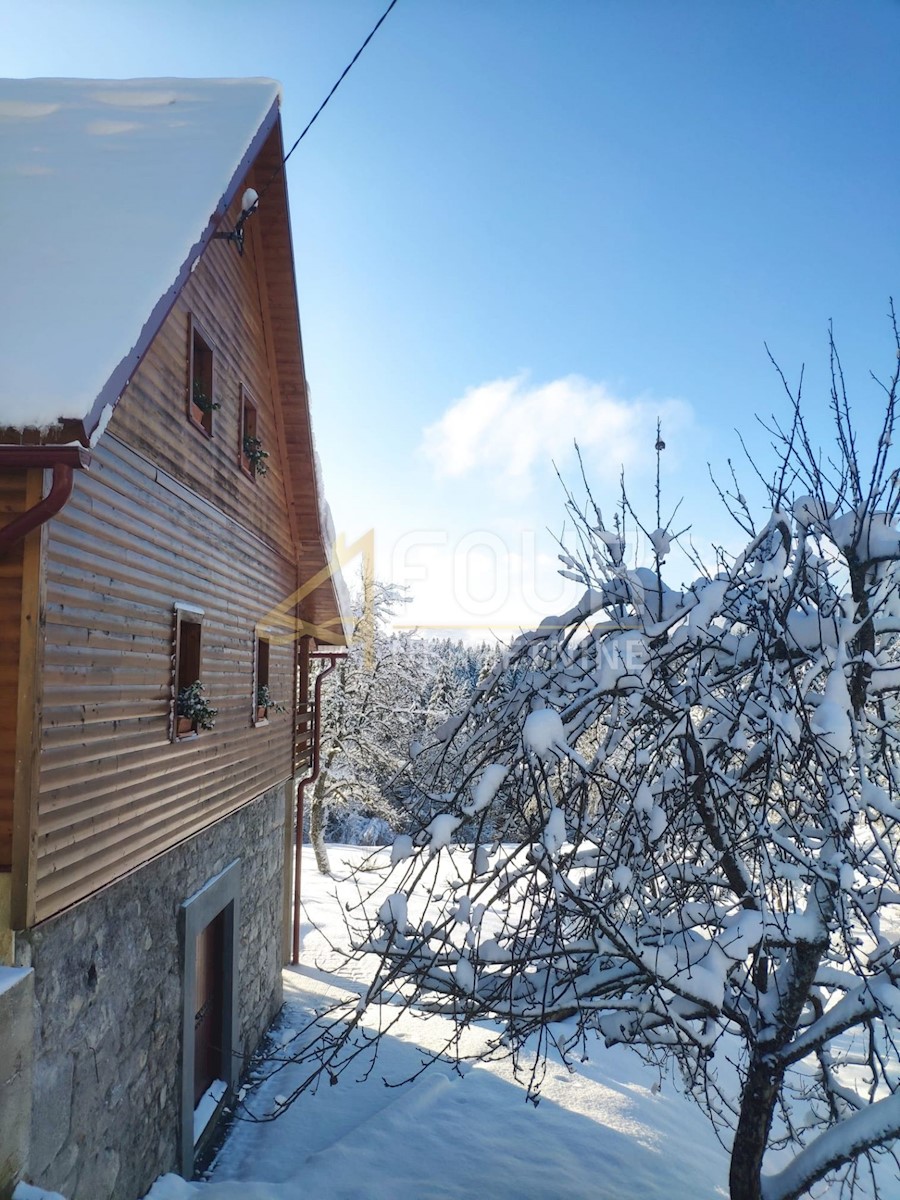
(202, 402)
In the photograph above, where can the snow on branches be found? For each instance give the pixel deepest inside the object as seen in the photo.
(680, 812)
(380, 703)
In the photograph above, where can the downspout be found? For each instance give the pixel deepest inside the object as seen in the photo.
(63, 461)
(333, 660)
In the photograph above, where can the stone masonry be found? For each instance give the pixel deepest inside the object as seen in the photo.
(108, 1006)
(16, 1037)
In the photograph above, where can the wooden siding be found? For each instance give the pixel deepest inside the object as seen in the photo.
(12, 502)
(114, 788)
(320, 606)
(166, 514)
(28, 723)
(248, 306)
(223, 294)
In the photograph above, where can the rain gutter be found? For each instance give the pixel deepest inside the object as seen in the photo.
(333, 660)
(63, 461)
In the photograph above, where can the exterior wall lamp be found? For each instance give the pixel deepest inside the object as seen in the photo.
(249, 205)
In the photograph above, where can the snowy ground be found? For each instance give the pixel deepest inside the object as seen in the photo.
(606, 1132)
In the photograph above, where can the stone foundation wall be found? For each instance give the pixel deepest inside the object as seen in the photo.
(108, 1006)
(16, 1038)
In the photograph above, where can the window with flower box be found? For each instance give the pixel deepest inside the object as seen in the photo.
(252, 454)
(202, 402)
(262, 697)
(192, 711)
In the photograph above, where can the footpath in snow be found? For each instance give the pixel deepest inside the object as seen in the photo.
(605, 1132)
(608, 1130)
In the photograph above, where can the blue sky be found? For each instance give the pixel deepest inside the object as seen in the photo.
(519, 223)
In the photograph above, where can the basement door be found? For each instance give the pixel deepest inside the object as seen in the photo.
(210, 922)
(209, 1009)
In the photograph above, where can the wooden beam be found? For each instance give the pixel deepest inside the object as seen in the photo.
(256, 250)
(28, 720)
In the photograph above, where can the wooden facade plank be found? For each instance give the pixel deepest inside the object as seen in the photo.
(272, 359)
(223, 292)
(28, 721)
(64, 887)
(12, 502)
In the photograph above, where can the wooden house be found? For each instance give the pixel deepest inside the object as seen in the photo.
(161, 526)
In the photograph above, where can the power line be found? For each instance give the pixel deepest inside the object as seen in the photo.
(315, 115)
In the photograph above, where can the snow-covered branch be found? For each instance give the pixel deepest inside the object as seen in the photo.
(672, 815)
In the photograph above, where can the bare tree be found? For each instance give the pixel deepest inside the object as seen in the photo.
(374, 710)
(381, 699)
(685, 820)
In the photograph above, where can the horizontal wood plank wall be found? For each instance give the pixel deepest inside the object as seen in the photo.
(319, 606)
(152, 417)
(114, 789)
(165, 514)
(12, 501)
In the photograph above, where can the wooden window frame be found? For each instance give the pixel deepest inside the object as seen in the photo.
(247, 427)
(185, 660)
(261, 663)
(197, 334)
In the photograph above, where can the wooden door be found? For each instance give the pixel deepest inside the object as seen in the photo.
(208, 1007)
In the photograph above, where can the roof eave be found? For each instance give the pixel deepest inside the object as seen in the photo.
(101, 410)
(324, 611)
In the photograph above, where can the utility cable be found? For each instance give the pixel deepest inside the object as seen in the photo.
(315, 115)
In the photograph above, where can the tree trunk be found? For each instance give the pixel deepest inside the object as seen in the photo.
(317, 826)
(752, 1134)
(764, 1078)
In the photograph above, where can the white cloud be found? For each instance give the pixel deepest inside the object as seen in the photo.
(475, 581)
(110, 128)
(508, 427)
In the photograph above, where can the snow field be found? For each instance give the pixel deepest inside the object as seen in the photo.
(605, 1130)
(609, 1129)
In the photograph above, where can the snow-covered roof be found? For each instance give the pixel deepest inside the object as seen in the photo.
(110, 190)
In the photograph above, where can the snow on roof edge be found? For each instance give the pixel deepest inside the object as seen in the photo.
(114, 188)
(329, 544)
(103, 407)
